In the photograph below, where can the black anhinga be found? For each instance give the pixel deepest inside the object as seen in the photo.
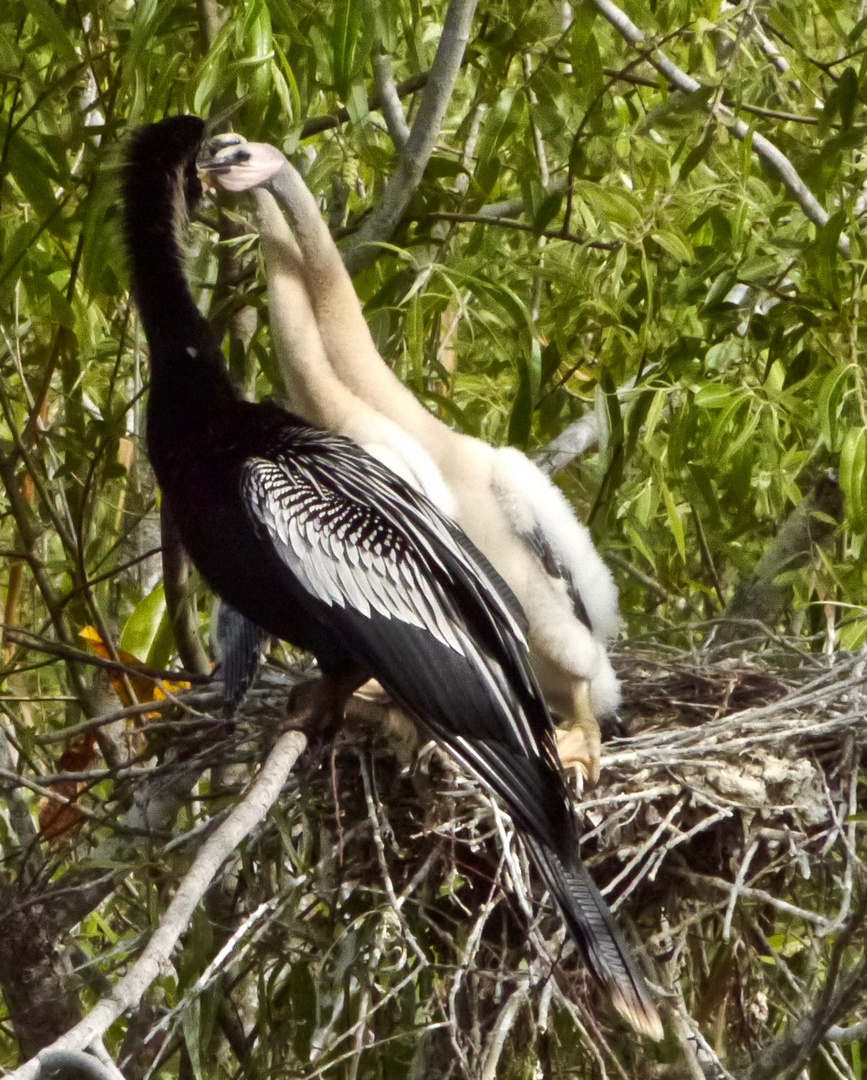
(316, 542)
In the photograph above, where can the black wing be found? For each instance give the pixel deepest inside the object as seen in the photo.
(421, 613)
(433, 627)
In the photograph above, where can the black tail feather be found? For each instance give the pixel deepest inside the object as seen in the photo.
(592, 925)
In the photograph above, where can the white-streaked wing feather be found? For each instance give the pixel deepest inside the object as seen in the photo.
(356, 537)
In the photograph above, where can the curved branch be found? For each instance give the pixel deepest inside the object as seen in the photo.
(243, 819)
(571, 443)
(415, 155)
(179, 601)
(386, 92)
(765, 149)
(72, 1065)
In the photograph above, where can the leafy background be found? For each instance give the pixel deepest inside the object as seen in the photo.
(652, 269)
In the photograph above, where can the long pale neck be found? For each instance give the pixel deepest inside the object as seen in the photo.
(314, 390)
(345, 335)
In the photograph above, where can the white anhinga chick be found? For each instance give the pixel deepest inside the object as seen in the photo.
(510, 510)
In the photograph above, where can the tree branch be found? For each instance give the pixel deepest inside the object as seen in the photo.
(386, 92)
(765, 149)
(415, 155)
(157, 953)
(179, 603)
(571, 443)
(73, 1065)
(760, 595)
(521, 226)
(792, 1050)
(317, 124)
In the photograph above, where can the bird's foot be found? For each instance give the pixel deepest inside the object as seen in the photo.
(574, 752)
(310, 707)
(237, 165)
(580, 743)
(318, 705)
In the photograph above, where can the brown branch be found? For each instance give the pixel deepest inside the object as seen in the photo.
(317, 124)
(521, 226)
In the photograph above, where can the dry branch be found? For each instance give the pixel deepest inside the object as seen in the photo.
(243, 819)
(414, 156)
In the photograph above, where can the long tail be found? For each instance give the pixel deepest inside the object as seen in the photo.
(592, 925)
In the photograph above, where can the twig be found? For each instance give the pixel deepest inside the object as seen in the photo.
(737, 888)
(317, 124)
(758, 894)
(505, 1022)
(519, 226)
(157, 953)
(394, 900)
(765, 149)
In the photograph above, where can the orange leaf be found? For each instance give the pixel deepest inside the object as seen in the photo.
(144, 687)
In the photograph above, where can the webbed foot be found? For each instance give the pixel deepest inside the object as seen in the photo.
(580, 743)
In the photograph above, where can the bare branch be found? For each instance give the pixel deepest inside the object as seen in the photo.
(576, 440)
(243, 819)
(415, 155)
(765, 149)
(73, 1065)
(386, 92)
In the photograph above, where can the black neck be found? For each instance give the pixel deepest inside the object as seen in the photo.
(183, 348)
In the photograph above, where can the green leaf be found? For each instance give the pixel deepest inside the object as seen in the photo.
(616, 206)
(53, 28)
(302, 993)
(345, 42)
(675, 522)
(506, 116)
(853, 476)
(714, 396)
(521, 413)
(142, 626)
(829, 403)
(676, 246)
(847, 89)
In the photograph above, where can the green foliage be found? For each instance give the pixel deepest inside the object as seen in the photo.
(715, 328)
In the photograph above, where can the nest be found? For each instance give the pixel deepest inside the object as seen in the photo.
(385, 920)
(724, 832)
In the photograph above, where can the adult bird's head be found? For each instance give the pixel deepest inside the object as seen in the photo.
(161, 163)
